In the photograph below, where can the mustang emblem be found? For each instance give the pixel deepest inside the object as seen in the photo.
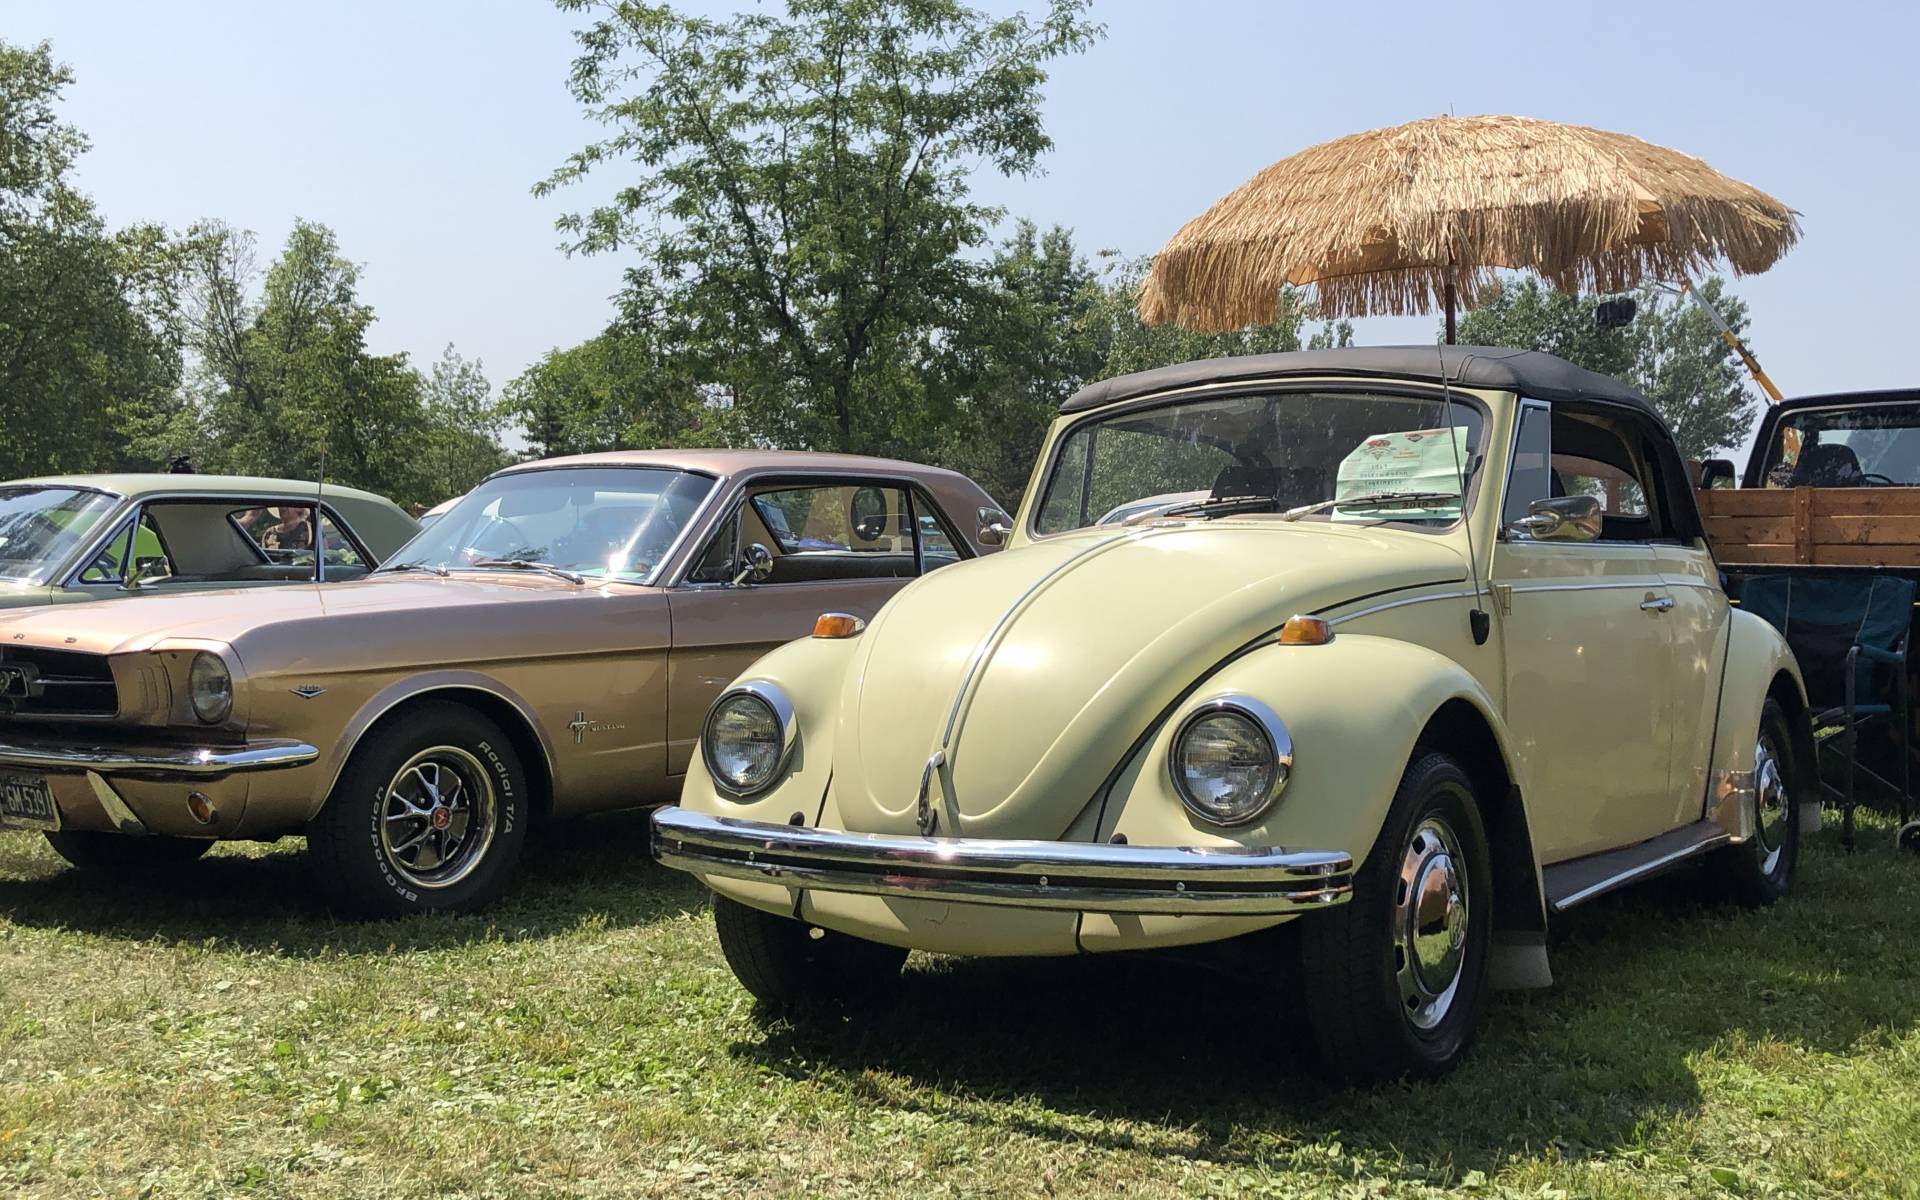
(308, 691)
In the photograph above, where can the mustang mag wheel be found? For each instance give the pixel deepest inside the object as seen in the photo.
(430, 813)
(437, 818)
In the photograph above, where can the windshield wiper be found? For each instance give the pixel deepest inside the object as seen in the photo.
(429, 568)
(521, 564)
(1219, 506)
(1371, 500)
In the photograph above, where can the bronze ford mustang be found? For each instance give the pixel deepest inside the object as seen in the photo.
(551, 645)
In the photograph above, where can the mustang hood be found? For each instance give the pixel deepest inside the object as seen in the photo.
(348, 621)
(1034, 670)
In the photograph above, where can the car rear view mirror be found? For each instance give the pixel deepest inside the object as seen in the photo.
(1560, 519)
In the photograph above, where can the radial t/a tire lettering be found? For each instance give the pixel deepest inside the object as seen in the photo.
(430, 815)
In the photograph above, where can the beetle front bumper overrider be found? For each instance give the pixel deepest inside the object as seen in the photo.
(1089, 877)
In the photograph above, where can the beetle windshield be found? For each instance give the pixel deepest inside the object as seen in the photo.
(606, 523)
(1875, 445)
(41, 526)
(1319, 456)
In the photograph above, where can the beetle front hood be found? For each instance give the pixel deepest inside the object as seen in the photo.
(1035, 670)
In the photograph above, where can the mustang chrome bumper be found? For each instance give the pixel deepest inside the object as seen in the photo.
(1026, 874)
(185, 760)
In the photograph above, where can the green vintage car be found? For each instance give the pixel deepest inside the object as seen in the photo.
(98, 537)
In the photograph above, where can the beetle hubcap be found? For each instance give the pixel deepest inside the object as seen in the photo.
(436, 818)
(1770, 800)
(1430, 923)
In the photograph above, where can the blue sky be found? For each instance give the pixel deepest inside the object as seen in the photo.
(415, 129)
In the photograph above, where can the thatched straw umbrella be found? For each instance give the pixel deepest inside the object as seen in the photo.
(1419, 216)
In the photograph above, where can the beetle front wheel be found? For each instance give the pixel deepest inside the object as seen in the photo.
(786, 963)
(1393, 981)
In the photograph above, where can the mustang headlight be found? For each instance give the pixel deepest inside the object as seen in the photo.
(749, 734)
(1230, 759)
(210, 685)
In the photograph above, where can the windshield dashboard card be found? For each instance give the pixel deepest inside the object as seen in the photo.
(26, 802)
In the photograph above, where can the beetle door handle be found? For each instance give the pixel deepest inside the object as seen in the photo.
(1656, 603)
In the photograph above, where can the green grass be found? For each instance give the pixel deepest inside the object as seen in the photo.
(585, 1038)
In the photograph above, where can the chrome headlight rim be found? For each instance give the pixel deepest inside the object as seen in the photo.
(215, 706)
(1270, 727)
(777, 703)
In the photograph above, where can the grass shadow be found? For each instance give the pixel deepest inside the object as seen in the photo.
(591, 869)
(1648, 982)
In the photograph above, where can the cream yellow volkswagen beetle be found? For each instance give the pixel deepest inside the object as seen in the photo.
(1417, 648)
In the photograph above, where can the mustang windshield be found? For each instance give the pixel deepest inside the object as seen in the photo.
(607, 523)
(1339, 456)
(40, 526)
(1874, 445)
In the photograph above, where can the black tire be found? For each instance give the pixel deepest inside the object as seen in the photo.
(1759, 871)
(1372, 1014)
(786, 963)
(116, 854)
(463, 859)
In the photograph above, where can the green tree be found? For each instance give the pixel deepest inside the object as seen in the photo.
(795, 193)
(463, 425)
(620, 390)
(1671, 351)
(90, 337)
(285, 384)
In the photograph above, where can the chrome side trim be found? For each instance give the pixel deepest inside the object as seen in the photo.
(1076, 876)
(1379, 608)
(188, 760)
(1640, 870)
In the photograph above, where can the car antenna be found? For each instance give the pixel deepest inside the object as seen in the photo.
(1478, 619)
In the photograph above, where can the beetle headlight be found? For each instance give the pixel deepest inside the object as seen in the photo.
(210, 686)
(1230, 759)
(749, 734)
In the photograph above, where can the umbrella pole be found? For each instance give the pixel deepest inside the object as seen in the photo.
(1447, 292)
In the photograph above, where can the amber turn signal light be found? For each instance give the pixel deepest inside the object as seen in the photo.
(1305, 631)
(837, 625)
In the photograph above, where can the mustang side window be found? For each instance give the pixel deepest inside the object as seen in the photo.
(841, 531)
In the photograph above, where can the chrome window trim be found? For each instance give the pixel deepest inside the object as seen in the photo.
(736, 487)
(780, 705)
(70, 576)
(1216, 391)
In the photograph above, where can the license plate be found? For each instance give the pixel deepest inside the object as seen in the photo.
(26, 802)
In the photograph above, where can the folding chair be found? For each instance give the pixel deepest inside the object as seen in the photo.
(1841, 627)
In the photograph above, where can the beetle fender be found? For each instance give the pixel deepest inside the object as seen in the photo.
(1356, 708)
(1759, 664)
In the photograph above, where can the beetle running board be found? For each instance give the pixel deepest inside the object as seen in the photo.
(1582, 879)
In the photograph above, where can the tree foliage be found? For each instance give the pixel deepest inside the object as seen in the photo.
(1671, 351)
(619, 390)
(89, 336)
(794, 192)
(284, 383)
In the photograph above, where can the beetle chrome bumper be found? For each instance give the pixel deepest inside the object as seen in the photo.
(184, 760)
(1026, 874)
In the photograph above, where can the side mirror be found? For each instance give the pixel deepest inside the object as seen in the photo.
(1560, 519)
(759, 566)
(147, 570)
(994, 527)
(1716, 474)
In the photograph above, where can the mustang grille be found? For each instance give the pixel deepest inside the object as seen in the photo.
(56, 683)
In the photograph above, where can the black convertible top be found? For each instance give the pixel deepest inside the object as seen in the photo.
(1529, 372)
